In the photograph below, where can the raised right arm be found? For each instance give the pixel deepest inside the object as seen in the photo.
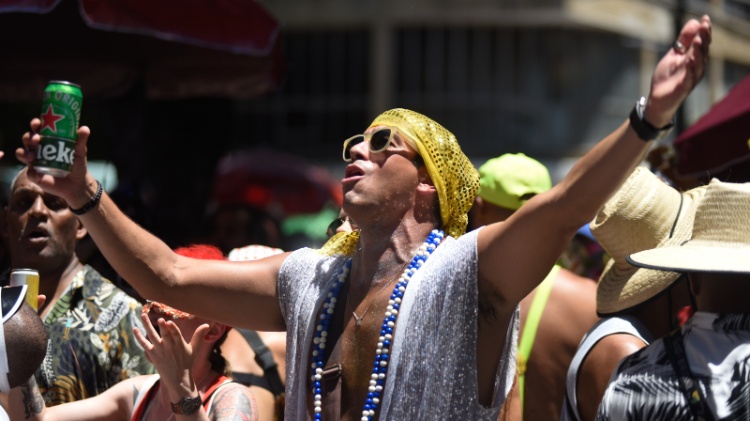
(238, 294)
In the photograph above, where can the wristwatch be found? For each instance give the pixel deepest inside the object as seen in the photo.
(186, 405)
(643, 128)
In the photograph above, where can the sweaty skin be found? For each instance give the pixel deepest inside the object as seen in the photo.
(568, 315)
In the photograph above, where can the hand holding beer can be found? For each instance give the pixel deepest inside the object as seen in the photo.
(61, 115)
(28, 277)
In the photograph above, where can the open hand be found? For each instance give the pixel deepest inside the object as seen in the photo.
(169, 353)
(72, 187)
(679, 71)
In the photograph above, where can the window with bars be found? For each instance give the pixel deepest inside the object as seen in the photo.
(323, 98)
(547, 92)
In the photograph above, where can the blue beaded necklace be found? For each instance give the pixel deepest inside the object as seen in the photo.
(380, 368)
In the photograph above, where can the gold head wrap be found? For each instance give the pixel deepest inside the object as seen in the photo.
(454, 176)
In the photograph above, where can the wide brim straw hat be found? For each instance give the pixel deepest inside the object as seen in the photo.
(721, 235)
(645, 213)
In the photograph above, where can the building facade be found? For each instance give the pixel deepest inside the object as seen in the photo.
(544, 77)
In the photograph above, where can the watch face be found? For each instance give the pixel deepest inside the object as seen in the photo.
(187, 405)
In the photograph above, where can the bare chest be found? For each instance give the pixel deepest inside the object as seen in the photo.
(353, 337)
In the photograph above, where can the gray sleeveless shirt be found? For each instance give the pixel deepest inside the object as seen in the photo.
(432, 372)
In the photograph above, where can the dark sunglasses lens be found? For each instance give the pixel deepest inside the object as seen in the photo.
(333, 226)
(352, 143)
(379, 140)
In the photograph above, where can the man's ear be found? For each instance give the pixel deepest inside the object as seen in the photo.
(81, 231)
(425, 182)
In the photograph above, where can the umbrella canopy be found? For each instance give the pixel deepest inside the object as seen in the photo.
(277, 182)
(175, 48)
(719, 139)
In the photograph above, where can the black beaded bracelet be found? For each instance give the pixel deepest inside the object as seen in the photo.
(91, 203)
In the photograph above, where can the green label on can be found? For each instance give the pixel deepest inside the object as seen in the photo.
(54, 156)
(61, 110)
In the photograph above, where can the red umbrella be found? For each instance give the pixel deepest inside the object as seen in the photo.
(176, 48)
(274, 181)
(719, 139)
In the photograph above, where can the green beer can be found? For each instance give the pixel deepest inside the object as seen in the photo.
(61, 114)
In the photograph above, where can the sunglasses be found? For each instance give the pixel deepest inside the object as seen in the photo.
(378, 142)
(334, 225)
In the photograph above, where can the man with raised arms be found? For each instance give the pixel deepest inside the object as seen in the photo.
(406, 318)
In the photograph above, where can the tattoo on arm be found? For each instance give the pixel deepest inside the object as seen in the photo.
(234, 404)
(33, 402)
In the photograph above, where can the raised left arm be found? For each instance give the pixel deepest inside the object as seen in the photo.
(516, 255)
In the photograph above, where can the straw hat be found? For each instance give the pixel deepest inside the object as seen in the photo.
(645, 213)
(721, 235)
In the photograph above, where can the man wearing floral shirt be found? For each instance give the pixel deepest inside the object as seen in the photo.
(89, 320)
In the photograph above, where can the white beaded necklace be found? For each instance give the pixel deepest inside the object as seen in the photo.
(380, 368)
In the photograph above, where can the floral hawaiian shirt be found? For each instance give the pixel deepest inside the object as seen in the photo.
(91, 343)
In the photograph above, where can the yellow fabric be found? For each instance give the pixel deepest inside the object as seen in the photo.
(453, 175)
(342, 243)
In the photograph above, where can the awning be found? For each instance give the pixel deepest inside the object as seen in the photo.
(720, 139)
(282, 184)
(175, 48)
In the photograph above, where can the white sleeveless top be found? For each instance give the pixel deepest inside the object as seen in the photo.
(603, 328)
(432, 371)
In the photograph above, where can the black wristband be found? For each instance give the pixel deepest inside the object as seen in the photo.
(643, 128)
(91, 203)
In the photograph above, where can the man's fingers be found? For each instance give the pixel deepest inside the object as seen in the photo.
(83, 137)
(23, 155)
(690, 32)
(197, 342)
(694, 31)
(149, 328)
(172, 333)
(705, 35)
(145, 343)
